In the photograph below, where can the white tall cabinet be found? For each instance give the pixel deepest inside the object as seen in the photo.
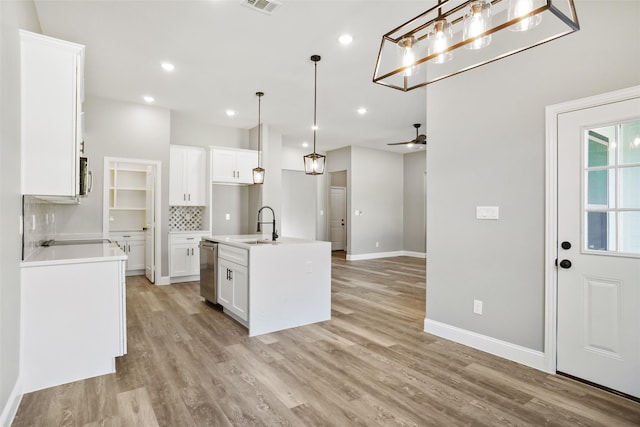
(187, 171)
(52, 92)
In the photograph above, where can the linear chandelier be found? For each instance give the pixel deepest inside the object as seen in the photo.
(458, 35)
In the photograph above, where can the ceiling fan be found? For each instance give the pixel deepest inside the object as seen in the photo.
(420, 139)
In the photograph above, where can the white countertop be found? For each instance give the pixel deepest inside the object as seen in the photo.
(244, 240)
(189, 232)
(74, 254)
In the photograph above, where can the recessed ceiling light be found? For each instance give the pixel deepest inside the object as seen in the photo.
(305, 144)
(148, 98)
(345, 39)
(231, 113)
(167, 66)
(362, 111)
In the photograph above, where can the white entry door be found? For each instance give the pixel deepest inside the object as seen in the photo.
(598, 329)
(150, 232)
(337, 218)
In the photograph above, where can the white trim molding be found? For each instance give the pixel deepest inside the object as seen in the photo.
(11, 408)
(375, 255)
(551, 209)
(506, 350)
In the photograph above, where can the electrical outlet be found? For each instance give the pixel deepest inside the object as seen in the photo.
(309, 267)
(377, 244)
(477, 306)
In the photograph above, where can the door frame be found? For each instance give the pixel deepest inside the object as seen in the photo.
(157, 166)
(551, 209)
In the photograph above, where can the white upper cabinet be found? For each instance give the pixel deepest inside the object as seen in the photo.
(187, 176)
(52, 85)
(229, 165)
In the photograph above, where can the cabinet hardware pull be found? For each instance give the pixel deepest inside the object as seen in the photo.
(187, 251)
(189, 197)
(191, 251)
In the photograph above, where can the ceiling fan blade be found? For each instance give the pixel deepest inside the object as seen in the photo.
(400, 143)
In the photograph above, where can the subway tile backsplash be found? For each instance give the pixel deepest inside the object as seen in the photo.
(185, 218)
(39, 224)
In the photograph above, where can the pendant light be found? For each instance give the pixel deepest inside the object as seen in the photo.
(314, 162)
(258, 173)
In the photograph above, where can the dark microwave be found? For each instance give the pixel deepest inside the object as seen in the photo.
(86, 179)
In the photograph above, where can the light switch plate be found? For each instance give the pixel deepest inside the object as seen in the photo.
(487, 212)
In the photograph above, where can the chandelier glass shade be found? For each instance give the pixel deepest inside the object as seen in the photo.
(314, 163)
(458, 35)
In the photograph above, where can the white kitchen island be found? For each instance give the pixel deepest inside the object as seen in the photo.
(287, 283)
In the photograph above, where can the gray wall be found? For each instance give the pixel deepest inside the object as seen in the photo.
(376, 188)
(414, 219)
(486, 147)
(119, 129)
(13, 15)
(298, 205)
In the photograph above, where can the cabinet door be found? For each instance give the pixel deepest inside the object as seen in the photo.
(223, 165)
(245, 162)
(51, 80)
(225, 284)
(240, 291)
(194, 262)
(180, 259)
(135, 252)
(195, 166)
(177, 186)
(233, 289)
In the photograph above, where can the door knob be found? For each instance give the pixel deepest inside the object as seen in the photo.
(566, 245)
(565, 263)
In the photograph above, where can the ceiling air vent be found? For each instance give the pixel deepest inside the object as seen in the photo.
(264, 6)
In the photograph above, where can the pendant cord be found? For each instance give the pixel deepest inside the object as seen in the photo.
(259, 132)
(315, 105)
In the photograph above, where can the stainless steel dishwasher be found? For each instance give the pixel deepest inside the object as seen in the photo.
(209, 270)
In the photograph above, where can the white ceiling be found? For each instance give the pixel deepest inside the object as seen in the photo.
(225, 52)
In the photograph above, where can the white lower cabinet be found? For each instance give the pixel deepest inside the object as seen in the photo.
(132, 244)
(233, 281)
(184, 254)
(73, 322)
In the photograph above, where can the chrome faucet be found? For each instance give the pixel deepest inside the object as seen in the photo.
(274, 233)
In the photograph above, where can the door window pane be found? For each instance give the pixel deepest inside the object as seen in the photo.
(601, 146)
(630, 187)
(598, 188)
(630, 142)
(630, 232)
(601, 231)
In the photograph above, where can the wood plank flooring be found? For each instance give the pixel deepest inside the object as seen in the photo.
(188, 364)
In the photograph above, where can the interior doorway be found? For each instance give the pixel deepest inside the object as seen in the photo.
(595, 287)
(132, 212)
(338, 211)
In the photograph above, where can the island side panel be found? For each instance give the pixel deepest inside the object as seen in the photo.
(289, 286)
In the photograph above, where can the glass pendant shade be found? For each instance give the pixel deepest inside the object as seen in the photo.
(518, 8)
(439, 40)
(476, 22)
(407, 54)
(258, 172)
(314, 164)
(258, 175)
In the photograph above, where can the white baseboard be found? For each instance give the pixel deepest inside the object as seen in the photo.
(163, 280)
(375, 255)
(506, 350)
(182, 279)
(11, 408)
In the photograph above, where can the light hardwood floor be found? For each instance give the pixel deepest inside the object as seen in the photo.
(188, 364)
